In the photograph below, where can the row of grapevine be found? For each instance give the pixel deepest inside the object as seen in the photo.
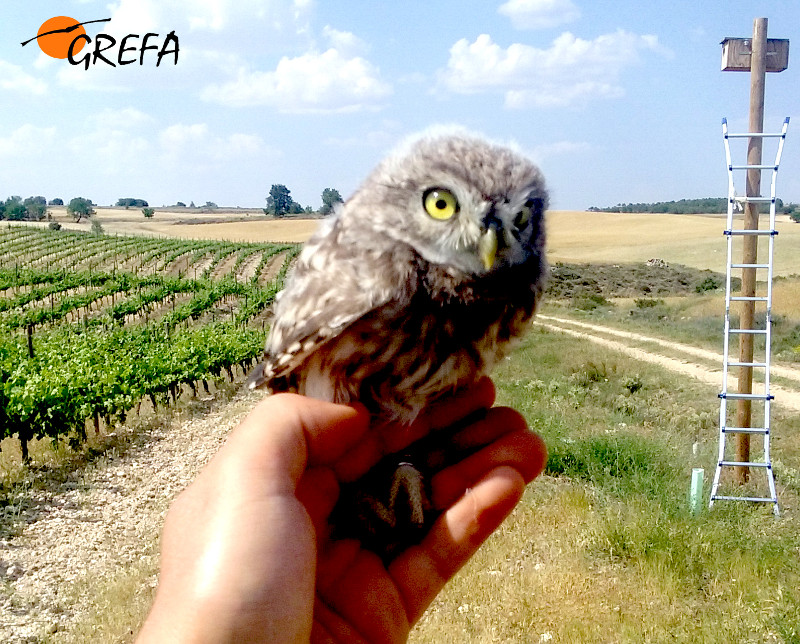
(34, 247)
(76, 375)
(81, 338)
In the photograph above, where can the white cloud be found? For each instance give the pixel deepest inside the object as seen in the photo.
(120, 119)
(27, 140)
(302, 11)
(344, 41)
(196, 145)
(113, 152)
(571, 71)
(698, 34)
(552, 96)
(126, 143)
(209, 14)
(219, 42)
(129, 17)
(14, 79)
(242, 19)
(312, 82)
(179, 135)
(114, 142)
(239, 144)
(99, 78)
(539, 14)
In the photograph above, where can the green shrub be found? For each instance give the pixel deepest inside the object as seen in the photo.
(633, 383)
(589, 301)
(648, 302)
(590, 373)
(708, 284)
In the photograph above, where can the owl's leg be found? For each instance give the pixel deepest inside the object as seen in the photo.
(407, 502)
(407, 483)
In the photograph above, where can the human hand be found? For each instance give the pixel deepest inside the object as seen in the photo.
(247, 553)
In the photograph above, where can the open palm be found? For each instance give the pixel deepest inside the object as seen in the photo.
(247, 553)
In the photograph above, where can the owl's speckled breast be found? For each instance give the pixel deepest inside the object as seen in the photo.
(403, 355)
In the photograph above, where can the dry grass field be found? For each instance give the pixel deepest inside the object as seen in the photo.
(785, 302)
(573, 236)
(232, 224)
(692, 240)
(289, 230)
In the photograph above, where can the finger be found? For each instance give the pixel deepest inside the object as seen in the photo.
(318, 491)
(422, 571)
(497, 422)
(518, 448)
(285, 433)
(393, 437)
(336, 561)
(446, 413)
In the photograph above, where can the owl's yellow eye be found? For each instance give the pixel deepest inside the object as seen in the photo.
(525, 214)
(440, 203)
(522, 218)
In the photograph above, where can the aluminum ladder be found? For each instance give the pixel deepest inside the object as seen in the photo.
(764, 396)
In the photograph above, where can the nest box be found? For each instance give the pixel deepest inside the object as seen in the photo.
(736, 54)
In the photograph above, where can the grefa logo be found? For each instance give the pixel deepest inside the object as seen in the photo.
(64, 37)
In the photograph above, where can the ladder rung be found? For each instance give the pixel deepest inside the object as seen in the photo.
(755, 135)
(749, 265)
(754, 199)
(733, 396)
(744, 464)
(748, 331)
(737, 233)
(757, 499)
(747, 364)
(753, 167)
(747, 298)
(745, 430)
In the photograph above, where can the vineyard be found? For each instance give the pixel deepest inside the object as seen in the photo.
(91, 325)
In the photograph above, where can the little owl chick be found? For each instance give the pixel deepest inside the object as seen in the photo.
(412, 289)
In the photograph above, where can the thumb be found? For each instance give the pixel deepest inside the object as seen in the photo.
(286, 433)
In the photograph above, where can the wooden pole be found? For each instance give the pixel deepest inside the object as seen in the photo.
(758, 69)
(30, 340)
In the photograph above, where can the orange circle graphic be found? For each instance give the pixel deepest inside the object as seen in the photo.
(57, 45)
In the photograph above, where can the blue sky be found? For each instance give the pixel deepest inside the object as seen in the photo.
(617, 101)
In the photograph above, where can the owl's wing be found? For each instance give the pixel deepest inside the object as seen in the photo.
(333, 285)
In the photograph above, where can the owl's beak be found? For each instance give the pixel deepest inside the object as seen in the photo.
(487, 247)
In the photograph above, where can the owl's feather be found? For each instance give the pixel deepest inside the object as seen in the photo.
(415, 287)
(375, 312)
(322, 301)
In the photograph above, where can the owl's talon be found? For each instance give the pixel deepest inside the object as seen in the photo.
(408, 479)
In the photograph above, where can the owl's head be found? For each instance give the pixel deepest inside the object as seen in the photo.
(459, 201)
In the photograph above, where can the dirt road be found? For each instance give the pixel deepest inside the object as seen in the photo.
(784, 396)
